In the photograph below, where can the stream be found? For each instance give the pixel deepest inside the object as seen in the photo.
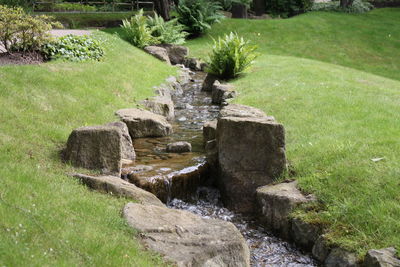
(192, 108)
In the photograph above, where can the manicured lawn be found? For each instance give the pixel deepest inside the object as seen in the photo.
(326, 77)
(46, 217)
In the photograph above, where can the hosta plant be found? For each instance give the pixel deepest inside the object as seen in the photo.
(230, 56)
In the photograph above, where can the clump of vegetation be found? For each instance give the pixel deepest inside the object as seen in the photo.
(288, 8)
(198, 15)
(137, 31)
(22, 32)
(231, 56)
(243, 2)
(74, 48)
(167, 32)
(74, 7)
(358, 6)
(142, 31)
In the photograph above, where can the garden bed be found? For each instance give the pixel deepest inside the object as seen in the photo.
(19, 58)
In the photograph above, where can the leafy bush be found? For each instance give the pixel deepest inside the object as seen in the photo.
(22, 32)
(17, 3)
(288, 8)
(74, 48)
(358, 6)
(243, 2)
(73, 7)
(170, 32)
(230, 56)
(138, 32)
(225, 4)
(198, 15)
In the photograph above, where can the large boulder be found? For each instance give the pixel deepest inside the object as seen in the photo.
(161, 105)
(385, 257)
(176, 53)
(276, 202)
(187, 239)
(143, 123)
(159, 52)
(242, 111)
(128, 152)
(97, 148)
(251, 153)
(118, 187)
(222, 92)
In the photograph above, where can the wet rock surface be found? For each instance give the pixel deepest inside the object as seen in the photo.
(265, 249)
(187, 239)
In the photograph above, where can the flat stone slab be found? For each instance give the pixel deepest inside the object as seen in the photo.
(277, 202)
(119, 187)
(188, 239)
(242, 111)
(143, 123)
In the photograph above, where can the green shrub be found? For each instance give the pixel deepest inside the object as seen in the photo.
(358, 6)
(288, 8)
(73, 7)
(17, 3)
(198, 15)
(74, 48)
(22, 32)
(230, 56)
(138, 32)
(243, 2)
(225, 4)
(170, 32)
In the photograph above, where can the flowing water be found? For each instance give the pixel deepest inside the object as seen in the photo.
(192, 108)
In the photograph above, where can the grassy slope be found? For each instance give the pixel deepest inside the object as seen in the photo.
(46, 217)
(337, 118)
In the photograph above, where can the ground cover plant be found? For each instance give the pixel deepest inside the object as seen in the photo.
(336, 89)
(46, 217)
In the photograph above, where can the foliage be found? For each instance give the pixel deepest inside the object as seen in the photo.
(243, 2)
(74, 7)
(170, 32)
(225, 4)
(22, 32)
(74, 48)
(17, 3)
(138, 32)
(288, 8)
(358, 6)
(231, 56)
(198, 15)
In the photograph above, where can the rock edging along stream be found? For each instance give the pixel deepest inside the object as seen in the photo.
(244, 152)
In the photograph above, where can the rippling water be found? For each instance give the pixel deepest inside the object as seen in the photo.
(265, 249)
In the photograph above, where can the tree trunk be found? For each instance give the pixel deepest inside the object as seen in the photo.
(239, 11)
(345, 3)
(162, 8)
(259, 7)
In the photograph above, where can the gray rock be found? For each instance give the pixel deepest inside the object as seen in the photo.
(305, 234)
(251, 153)
(321, 249)
(143, 123)
(211, 149)
(158, 52)
(184, 76)
(161, 105)
(193, 64)
(187, 239)
(203, 66)
(209, 131)
(222, 92)
(276, 203)
(340, 258)
(118, 187)
(128, 152)
(242, 111)
(179, 147)
(164, 91)
(208, 82)
(385, 257)
(176, 53)
(97, 148)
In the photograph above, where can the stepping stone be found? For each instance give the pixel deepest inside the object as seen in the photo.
(179, 147)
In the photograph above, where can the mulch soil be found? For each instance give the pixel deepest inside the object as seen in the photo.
(19, 58)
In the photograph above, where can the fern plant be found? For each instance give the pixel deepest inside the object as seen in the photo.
(167, 32)
(198, 15)
(138, 32)
(230, 56)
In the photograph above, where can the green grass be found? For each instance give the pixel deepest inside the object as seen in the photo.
(333, 80)
(46, 217)
(84, 20)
